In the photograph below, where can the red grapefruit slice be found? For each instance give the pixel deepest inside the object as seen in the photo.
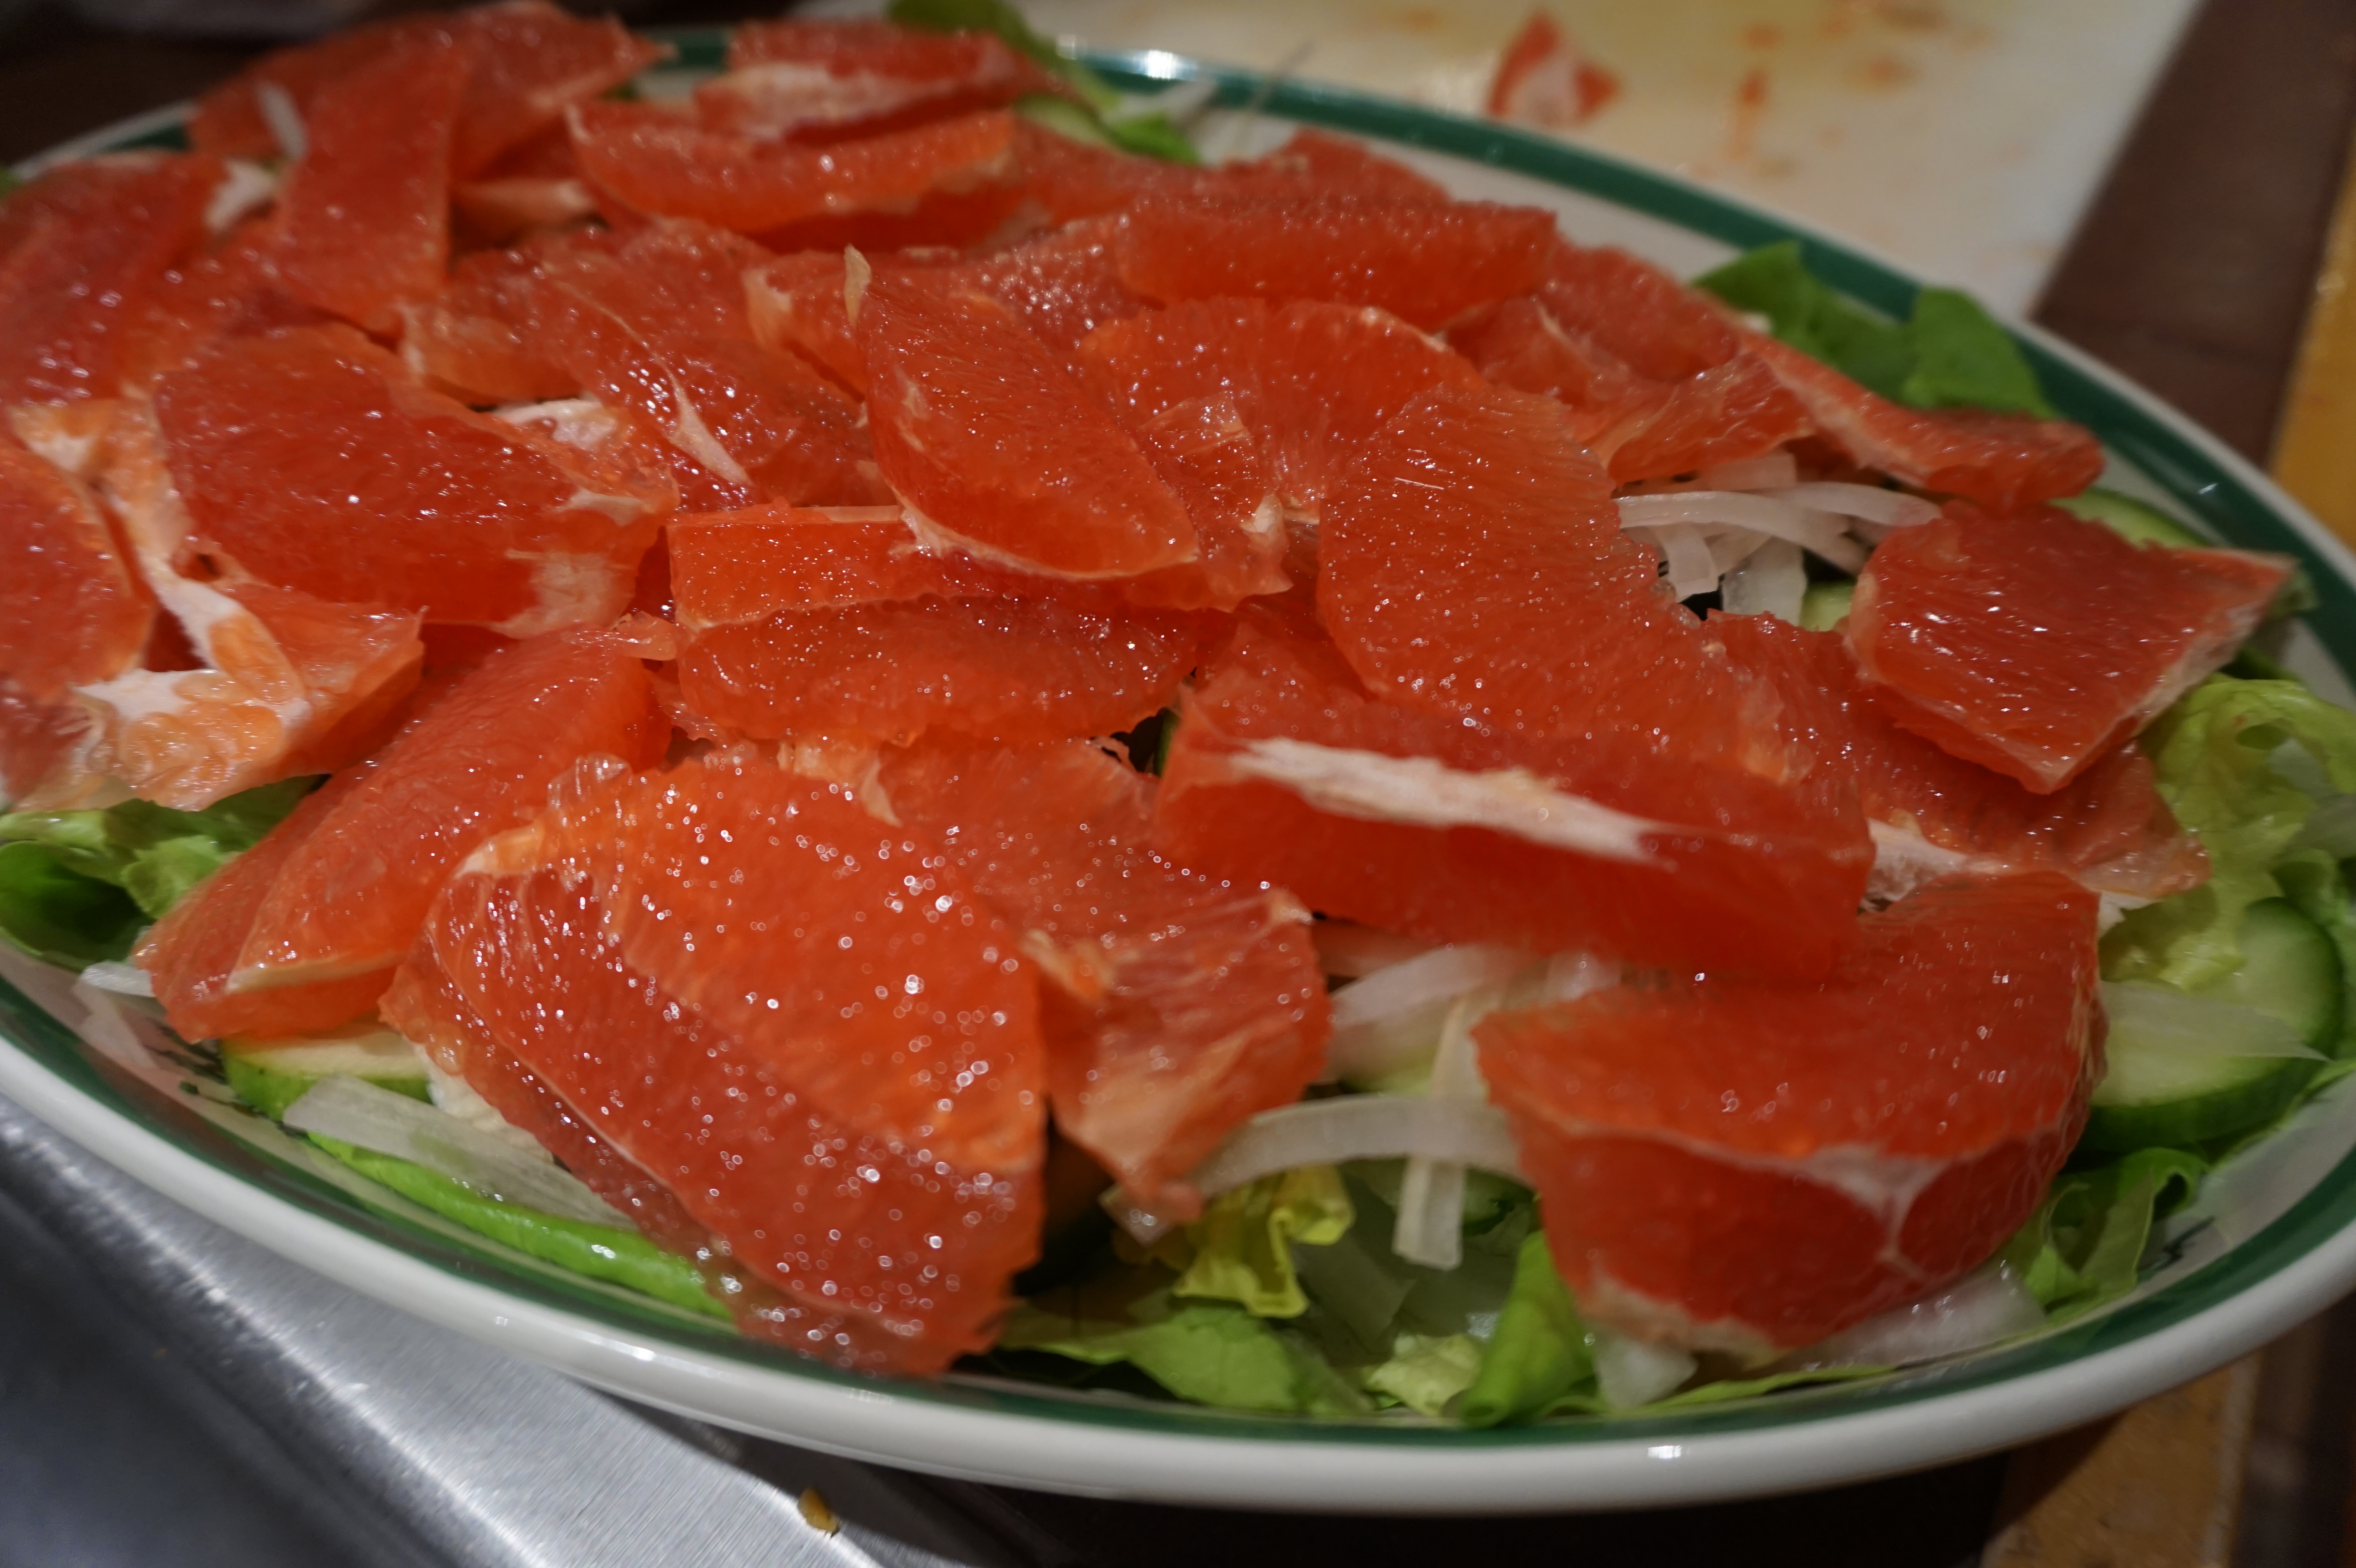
(869, 1145)
(83, 251)
(1473, 563)
(980, 429)
(2033, 642)
(1285, 771)
(1425, 263)
(1750, 1166)
(824, 81)
(657, 162)
(2107, 829)
(313, 459)
(478, 761)
(1175, 1008)
(802, 625)
(1998, 460)
(364, 215)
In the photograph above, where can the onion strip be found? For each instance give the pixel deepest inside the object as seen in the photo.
(362, 1114)
(1360, 1126)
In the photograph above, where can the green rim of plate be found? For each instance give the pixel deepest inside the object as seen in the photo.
(2212, 491)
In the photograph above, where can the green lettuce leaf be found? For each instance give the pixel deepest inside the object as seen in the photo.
(2212, 753)
(1426, 1371)
(1243, 1244)
(60, 916)
(1964, 359)
(600, 1251)
(1539, 1351)
(1149, 134)
(2317, 887)
(1950, 353)
(75, 887)
(2085, 1244)
(1213, 1352)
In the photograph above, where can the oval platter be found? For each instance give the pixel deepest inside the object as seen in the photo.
(2267, 1243)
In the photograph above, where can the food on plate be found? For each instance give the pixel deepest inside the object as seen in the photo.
(861, 699)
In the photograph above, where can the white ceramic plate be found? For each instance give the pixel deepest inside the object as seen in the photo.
(2266, 1244)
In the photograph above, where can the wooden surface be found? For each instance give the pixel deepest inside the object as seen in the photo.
(2193, 273)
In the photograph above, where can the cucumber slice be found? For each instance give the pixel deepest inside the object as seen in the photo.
(2165, 1097)
(2134, 520)
(271, 1074)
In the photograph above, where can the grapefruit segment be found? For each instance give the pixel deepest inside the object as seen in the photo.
(882, 1253)
(231, 290)
(277, 678)
(71, 613)
(657, 162)
(733, 568)
(1473, 563)
(190, 952)
(1284, 771)
(228, 122)
(1636, 313)
(296, 451)
(1052, 668)
(480, 760)
(83, 251)
(364, 215)
(1639, 428)
(2000, 459)
(1311, 381)
(982, 430)
(2107, 829)
(1174, 1008)
(2033, 642)
(1424, 262)
(1748, 1165)
(425, 1004)
(532, 62)
(824, 81)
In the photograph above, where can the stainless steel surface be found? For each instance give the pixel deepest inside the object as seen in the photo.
(442, 1449)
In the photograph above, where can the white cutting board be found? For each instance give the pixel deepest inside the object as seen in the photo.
(1962, 138)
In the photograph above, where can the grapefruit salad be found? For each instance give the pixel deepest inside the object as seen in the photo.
(874, 705)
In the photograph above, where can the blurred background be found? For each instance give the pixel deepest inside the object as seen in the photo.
(2158, 181)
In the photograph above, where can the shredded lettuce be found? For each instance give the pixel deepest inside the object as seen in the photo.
(1242, 1246)
(2085, 1246)
(76, 887)
(2212, 754)
(1426, 1371)
(1539, 1351)
(1212, 1352)
(1949, 353)
(599, 1252)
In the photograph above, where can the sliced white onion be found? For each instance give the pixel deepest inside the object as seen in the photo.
(2159, 1019)
(1889, 508)
(121, 980)
(1983, 1308)
(243, 188)
(1391, 1020)
(1360, 1126)
(1807, 527)
(1437, 975)
(1630, 1372)
(378, 1119)
(1685, 550)
(1773, 581)
(454, 1097)
(1429, 1228)
(286, 121)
